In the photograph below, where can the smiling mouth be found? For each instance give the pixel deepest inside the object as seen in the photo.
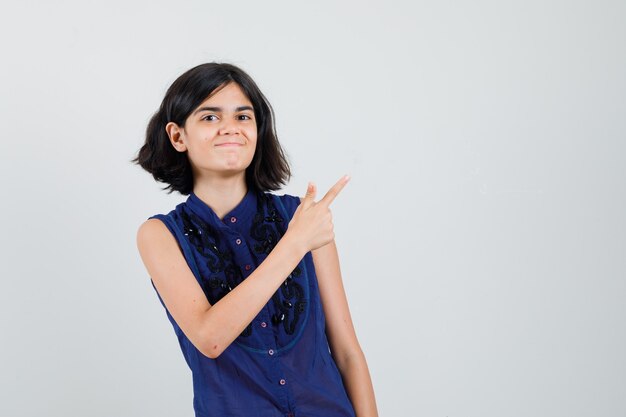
(230, 144)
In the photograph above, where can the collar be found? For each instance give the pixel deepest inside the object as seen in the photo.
(237, 217)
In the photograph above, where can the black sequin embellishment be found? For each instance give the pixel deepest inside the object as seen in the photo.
(277, 318)
(273, 217)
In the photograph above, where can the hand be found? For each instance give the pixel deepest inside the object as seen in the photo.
(311, 224)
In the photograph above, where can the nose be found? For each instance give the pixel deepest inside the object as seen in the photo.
(229, 127)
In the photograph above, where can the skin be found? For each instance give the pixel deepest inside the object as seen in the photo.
(219, 181)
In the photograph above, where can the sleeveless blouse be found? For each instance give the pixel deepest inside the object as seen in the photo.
(280, 365)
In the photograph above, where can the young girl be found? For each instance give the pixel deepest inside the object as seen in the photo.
(249, 280)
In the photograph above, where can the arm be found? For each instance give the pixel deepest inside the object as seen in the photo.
(211, 328)
(342, 339)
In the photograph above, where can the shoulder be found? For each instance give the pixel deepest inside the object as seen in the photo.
(158, 245)
(290, 202)
(151, 227)
(294, 199)
(160, 226)
(152, 232)
(158, 229)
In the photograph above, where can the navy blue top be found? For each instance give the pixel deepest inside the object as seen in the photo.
(280, 365)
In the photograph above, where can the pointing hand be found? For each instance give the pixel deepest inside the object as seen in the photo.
(312, 221)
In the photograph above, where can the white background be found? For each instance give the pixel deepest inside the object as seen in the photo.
(482, 237)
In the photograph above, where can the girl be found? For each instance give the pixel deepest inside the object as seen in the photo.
(249, 280)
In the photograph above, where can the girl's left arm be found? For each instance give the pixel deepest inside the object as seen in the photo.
(342, 339)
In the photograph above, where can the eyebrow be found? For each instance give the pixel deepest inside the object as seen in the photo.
(219, 109)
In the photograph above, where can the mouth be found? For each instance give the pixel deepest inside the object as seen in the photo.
(230, 144)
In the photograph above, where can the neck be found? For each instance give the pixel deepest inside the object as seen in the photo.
(221, 194)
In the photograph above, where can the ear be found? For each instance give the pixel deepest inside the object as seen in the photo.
(176, 138)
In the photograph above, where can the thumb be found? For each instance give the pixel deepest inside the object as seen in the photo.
(310, 195)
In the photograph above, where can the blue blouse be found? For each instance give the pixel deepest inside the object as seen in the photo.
(280, 365)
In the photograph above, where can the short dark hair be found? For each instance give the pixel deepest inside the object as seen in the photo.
(269, 168)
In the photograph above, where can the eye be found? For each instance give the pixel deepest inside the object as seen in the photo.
(245, 115)
(209, 115)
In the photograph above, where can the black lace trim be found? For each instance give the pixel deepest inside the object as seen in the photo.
(207, 242)
(267, 231)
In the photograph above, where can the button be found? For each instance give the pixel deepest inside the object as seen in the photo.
(233, 219)
(248, 267)
(238, 241)
(282, 382)
(263, 324)
(271, 351)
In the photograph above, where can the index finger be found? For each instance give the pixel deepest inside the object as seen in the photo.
(334, 191)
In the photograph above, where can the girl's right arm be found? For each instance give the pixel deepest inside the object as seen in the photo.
(212, 328)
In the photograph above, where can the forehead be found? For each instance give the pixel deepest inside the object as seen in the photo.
(230, 93)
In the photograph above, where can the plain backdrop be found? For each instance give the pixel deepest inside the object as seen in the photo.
(482, 237)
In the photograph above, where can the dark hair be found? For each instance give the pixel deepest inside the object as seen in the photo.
(269, 168)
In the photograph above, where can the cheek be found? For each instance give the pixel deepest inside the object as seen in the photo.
(209, 135)
(252, 135)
